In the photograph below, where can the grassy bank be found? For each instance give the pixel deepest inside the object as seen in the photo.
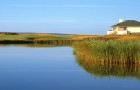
(37, 38)
(115, 37)
(127, 52)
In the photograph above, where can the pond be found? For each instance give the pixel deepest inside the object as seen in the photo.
(53, 68)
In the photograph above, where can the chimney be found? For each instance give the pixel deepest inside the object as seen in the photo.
(120, 20)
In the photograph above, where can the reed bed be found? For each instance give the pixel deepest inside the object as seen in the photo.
(115, 37)
(109, 58)
(127, 52)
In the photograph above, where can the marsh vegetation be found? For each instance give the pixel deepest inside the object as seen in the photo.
(104, 57)
(127, 52)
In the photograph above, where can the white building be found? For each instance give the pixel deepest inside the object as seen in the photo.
(125, 28)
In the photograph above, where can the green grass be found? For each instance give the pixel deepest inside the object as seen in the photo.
(110, 51)
(36, 37)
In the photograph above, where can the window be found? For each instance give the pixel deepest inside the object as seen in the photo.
(125, 28)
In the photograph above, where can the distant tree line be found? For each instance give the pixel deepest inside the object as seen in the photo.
(9, 33)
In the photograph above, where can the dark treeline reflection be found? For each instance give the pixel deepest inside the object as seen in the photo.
(33, 45)
(48, 42)
(39, 44)
(104, 69)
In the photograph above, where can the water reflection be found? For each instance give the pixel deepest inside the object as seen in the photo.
(33, 45)
(99, 69)
(102, 69)
(55, 68)
(38, 44)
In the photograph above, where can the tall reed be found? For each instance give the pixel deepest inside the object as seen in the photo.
(109, 58)
(127, 52)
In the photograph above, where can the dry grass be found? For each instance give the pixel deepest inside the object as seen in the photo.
(116, 38)
(35, 37)
(110, 51)
(70, 37)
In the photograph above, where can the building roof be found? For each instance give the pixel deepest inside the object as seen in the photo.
(128, 23)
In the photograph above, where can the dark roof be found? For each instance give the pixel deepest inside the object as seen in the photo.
(128, 23)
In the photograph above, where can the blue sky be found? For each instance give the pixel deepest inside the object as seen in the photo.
(65, 16)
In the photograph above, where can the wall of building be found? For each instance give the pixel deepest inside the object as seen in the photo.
(133, 29)
(110, 32)
(128, 30)
(121, 32)
(115, 29)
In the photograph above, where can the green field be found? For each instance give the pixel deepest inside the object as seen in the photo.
(36, 37)
(42, 36)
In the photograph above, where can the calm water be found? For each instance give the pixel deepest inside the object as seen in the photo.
(23, 68)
